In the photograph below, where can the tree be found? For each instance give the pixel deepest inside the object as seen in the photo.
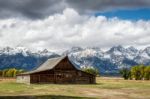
(4, 72)
(8, 73)
(91, 70)
(142, 68)
(135, 72)
(139, 72)
(11, 72)
(20, 71)
(147, 73)
(1, 72)
(126, 74)
(14, 72)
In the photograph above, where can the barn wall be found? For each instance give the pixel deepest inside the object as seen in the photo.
(23, 79)
(42, 78)
(85, 78)
(74, 76)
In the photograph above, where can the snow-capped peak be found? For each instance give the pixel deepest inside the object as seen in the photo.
(7, 50)
(24, 51)
(147, 50)
(133, 49)
(45, 52)
(116, 48)
(76, 48)
(144, 56)
(73, 50)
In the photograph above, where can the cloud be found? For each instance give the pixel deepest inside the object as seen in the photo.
(39, 9)
(59, 32)
(33, 9)
(103, 5)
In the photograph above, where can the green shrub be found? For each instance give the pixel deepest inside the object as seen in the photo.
(91, 70)
(126, 74)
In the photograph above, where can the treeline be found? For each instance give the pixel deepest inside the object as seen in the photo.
(12, 72)
(139, 72)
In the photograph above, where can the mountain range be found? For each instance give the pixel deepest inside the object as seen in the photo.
(23, 58)
(109, 61)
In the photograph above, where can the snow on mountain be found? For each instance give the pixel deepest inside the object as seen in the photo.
(109, 61)
(25, 52)
(116, 50)
(73, 50)
(8, 51)
(13, 51)
(131, 52)
(144, 56)
(115, 58)
(88, 53)
(116, 54)
(23, 58)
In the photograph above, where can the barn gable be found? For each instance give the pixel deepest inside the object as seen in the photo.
(65, 64)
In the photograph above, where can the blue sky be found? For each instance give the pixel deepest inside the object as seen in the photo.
(128, 14)
(58, 25)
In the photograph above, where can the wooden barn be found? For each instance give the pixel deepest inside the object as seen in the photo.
(57, 70)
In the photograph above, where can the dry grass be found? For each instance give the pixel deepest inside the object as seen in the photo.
(106, 88)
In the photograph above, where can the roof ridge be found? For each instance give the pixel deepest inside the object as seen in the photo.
(57, 57)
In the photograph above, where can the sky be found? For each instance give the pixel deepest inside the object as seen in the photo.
(58, 25)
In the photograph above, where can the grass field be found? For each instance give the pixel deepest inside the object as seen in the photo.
(106, 88)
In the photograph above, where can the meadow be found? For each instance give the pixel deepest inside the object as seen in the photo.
(105, 88)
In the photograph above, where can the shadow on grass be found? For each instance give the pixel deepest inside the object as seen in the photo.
(45, 97)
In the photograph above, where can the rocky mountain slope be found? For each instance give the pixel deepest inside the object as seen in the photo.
(23, 58)
(109, 61)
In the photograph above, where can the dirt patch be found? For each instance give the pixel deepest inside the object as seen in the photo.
(4, 79)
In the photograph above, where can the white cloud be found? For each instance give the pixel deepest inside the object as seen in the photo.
(62, 31)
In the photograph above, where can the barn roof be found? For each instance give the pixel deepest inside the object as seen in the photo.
(49, 64)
